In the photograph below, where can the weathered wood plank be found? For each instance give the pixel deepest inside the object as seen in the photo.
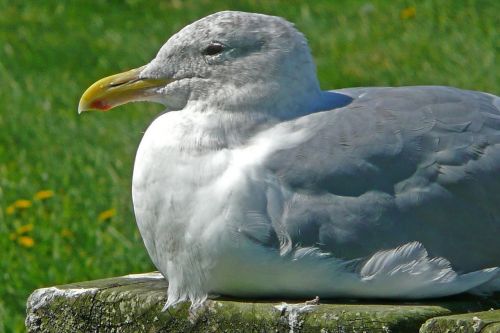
(133, 304)
(484, 322)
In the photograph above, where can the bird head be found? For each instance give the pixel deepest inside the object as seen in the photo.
(229, 60)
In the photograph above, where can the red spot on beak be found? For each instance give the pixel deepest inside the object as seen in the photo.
(100, 105)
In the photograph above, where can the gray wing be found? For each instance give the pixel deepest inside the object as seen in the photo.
(398, 165)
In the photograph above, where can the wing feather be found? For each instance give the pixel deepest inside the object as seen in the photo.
(394, 166)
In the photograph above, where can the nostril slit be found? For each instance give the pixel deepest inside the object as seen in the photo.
(117, 84)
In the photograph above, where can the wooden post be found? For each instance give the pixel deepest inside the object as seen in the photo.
(133, 303)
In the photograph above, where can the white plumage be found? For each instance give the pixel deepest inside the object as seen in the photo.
(259, 184)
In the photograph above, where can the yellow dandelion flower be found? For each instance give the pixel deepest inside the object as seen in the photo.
(11, 210)
(66, 233)
(22, 203)
(408, 13)
(107, 214)
(42, 195)
(26, 241)
(24, 229)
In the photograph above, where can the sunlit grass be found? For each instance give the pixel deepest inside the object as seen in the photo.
(65, 204)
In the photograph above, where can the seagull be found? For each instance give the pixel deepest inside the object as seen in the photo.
(256, 183)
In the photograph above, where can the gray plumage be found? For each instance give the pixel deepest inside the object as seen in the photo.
(259, 184)
(424, 161)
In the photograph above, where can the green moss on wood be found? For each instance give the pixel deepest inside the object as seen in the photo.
(475, 322)
(134, 305)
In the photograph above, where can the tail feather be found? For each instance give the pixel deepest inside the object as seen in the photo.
(488, 288)
(408, 272)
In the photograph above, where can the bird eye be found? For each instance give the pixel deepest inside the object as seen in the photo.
(213, 49)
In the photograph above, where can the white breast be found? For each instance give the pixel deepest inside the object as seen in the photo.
(195, 196)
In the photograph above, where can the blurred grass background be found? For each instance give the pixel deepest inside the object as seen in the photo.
(65, 203)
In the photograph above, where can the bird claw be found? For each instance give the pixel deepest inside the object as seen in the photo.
(195, 311)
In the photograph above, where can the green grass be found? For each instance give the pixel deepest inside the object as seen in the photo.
(50, 51)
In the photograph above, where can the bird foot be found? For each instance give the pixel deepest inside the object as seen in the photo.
(196, 311)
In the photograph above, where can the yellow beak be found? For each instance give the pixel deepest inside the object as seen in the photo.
(119, 89)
